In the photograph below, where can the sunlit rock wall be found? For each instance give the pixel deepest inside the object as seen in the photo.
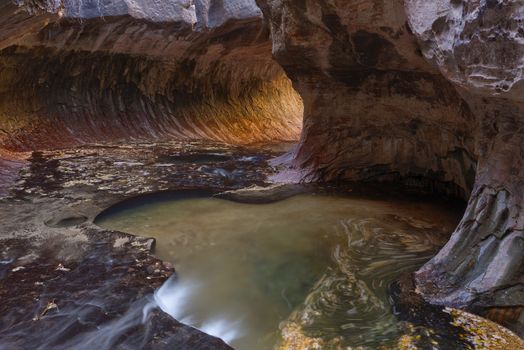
(78, 73)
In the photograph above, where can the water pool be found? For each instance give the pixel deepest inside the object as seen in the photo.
(312, 269)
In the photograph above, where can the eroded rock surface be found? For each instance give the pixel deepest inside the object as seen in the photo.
(85, 285)
(202, 13)
(108, 72)
(424, 93)
(65, 282)
(478, 46)
(375, 110)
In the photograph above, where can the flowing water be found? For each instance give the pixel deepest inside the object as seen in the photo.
(308, 270)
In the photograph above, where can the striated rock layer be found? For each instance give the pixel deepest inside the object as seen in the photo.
(478, 46)
(139, 74)
(424, 93)
(374, 108)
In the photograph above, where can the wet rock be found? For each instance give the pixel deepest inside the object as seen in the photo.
(66, 221)
(428, 94)
(422, 93)
(485, 334)
(63, 284)
(9, 165)
(194, 158)
(95, 301)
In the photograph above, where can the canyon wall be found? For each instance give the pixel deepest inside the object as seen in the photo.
(84, 71)
(428, 94)
(375, 110)
(478, 46)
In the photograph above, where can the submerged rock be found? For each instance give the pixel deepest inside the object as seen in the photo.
(258, 194)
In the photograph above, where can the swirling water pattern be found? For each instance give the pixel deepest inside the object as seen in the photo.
(308, 272)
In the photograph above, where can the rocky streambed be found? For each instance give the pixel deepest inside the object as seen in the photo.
(65, 282)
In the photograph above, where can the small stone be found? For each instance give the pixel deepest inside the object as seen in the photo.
(62, 268)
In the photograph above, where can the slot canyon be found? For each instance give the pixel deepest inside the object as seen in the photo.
(329, 174)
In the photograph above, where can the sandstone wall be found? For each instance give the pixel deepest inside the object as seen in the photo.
(425, 93)
(375, 110)
(69, 80)
(479, 47)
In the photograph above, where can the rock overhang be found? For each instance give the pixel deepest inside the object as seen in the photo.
(199, 13)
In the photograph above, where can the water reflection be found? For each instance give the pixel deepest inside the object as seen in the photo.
(311, 268)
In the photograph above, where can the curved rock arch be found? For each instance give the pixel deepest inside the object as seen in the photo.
(127, 69)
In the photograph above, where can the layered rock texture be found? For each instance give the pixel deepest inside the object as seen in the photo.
(478, 46)
(84, 71)
(386, 113)
(424, 93)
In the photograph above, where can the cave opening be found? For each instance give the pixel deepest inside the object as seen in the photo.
(80, 97)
